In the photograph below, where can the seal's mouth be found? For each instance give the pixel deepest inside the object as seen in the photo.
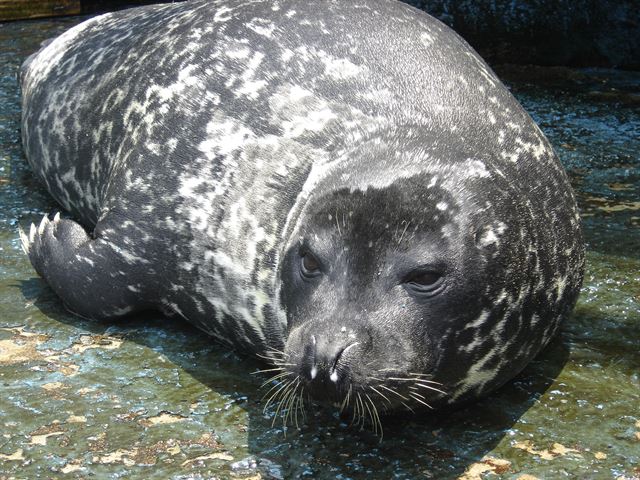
(335, 377)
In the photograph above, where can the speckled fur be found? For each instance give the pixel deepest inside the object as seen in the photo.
(191, 139)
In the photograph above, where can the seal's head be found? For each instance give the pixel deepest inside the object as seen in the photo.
(426, 286)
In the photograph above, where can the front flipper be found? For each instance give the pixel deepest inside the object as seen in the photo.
(91, 275)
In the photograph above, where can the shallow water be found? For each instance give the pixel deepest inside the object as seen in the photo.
(155, 399)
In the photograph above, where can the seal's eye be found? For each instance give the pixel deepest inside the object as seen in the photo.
(424, 281)
(309, 265)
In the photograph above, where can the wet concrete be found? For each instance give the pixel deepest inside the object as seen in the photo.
(151, 398)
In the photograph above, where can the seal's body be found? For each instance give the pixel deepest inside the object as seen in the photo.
(347, 181)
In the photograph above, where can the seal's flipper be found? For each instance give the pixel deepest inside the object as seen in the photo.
(87, 273)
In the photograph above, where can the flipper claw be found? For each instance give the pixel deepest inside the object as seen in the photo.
(24, 240)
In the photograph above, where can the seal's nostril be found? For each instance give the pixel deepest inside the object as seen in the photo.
(329, 361)
(349, 347)
(338, 357)
(334, 369)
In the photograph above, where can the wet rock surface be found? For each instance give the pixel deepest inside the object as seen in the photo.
(152, 398)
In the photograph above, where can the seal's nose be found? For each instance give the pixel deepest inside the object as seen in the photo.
(325, 362)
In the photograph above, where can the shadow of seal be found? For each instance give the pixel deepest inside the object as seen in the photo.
(344, 188)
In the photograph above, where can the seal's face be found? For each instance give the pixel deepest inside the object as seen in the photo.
(374, 283)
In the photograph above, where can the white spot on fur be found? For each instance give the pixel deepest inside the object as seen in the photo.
(264, 29)
(476, 168)
(426, 39)
(339, 68)
(487, 238)
(222, 14)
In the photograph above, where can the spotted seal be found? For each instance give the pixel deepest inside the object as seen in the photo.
(344, 187)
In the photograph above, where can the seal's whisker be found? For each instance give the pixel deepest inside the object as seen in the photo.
(400, 379)
(279, 383)
(272, 399)
(408, 408)
(274, 387)
(281, 372)
(267, 370)
(265, 357)
(275, 350)
(345, 402)
(429, 387)
(373, 422)
(379, 393)
(420, 401)
(413, 392)
(376, 415)
(272, 359)
(275, 378)
(266, 354)
(285, 396)
(280, 386)
(276, 358)
(365, 409)
(287, 401)
(302, 399)
(376, 419)
(299, 405)
(294, 405)
(394, 392)
(362, 415)
(302, 410)
(356, 409)
(421, 380)
(288, 407)
(426, 380)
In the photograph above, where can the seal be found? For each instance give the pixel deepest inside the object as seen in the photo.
(343, 187)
